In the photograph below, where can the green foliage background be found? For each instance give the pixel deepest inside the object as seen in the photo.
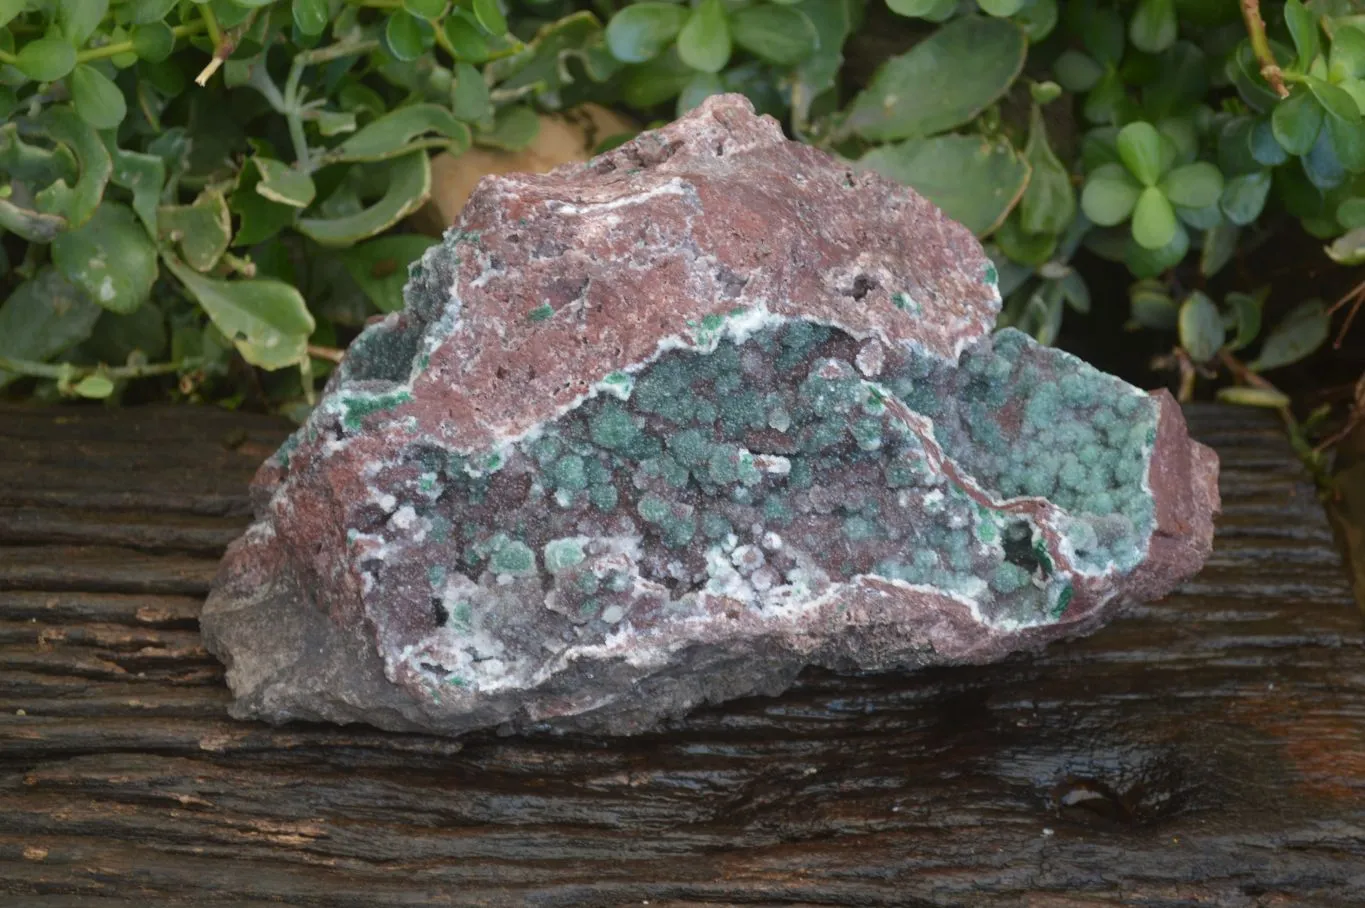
(187, 187)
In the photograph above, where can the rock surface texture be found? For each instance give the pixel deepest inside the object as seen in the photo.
(664, 428)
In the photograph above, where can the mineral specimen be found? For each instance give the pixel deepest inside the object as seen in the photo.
(665, 428)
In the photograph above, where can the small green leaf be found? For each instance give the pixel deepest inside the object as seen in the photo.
(426, 9)
(1244, 311)
(1301, 332)
(1220, 244)
(393, 134)
(44, 317)
(641, 31)
(143, 175)
(1076, 72)
(284, 184)
(311, 16)
(1044, 92)
(466, 37)
(1031, 249)
(780, 35)
(698, 89)
(1334, 100)
(110, 257)
(335, 122)
(1151, 306)
(704, 42)
(1348, 142)
(1153, 27)
(80, 18)
(403, 35)
(975, 180)
(1049, 202)
(1303, 28)
(1253, 397)
(95, 387)
(1196, 185)
(75, 203)
(654, 82)
(1244, 197)
(513, 129)
(143, 11)
(202, 230)
(1143, 262)
(1348, 53)
(1296, 122)
(409, 186)
(260, 218)
(153, 42)
(916, 9)
(1351, 213)
(469, 99)
(380, 267)
(1265, 148)
(1201, 327)
(10, 9)
(1140, 149)
(96, 98)
(266, 320)
(1154, 222)
(1110, 195)
(46, 59)
(943, 81)
(1002, 9)
(490, 16)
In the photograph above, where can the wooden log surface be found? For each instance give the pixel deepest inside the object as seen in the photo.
(1208, 749)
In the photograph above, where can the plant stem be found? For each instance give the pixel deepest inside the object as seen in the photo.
(8, 58)
(328, 353)
(34, 369)
(126, 47)
(1260, 46)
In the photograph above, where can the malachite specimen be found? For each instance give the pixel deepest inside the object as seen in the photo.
(666, 428)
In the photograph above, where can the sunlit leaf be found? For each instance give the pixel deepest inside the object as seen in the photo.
(201, 230)
(1201, 327)
(46, 59)
(976, 181)
(1140, 149)
(780, 35)
(266, 320)
(409, 186)
(941, 82)
(640, 32)
(704, 42)
(393, 134)
(96, 98)
(94, 387)
(1110, 195)
(284, 184)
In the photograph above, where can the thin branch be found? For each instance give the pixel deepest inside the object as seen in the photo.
(35, 369)
(1260, 46)
(1356, 297)
(328, 353)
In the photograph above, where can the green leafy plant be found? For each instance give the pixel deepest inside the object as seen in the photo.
(187, 187)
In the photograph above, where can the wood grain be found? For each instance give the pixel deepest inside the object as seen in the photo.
(1208, 749)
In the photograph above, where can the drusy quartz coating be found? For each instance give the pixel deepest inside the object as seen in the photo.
(665, 428)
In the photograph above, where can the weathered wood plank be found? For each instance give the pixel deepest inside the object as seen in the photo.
(1206, 749)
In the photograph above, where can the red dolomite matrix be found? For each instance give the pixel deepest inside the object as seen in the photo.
(665, 428)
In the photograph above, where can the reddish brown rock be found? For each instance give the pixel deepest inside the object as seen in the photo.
(667, 427)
